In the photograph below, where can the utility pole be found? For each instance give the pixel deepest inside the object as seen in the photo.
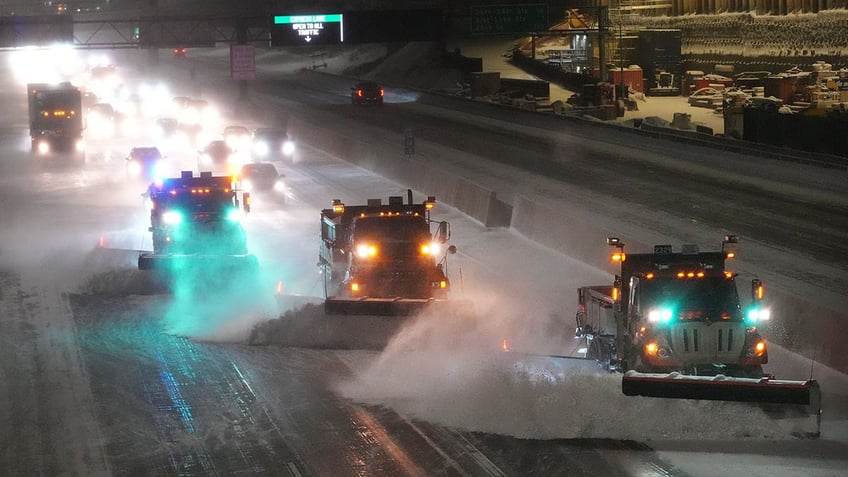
(602, 37)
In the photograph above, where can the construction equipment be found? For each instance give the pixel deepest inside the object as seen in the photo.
(598, 100)
(196, 224)
(55, 120)
(380, 259)
(673, 323)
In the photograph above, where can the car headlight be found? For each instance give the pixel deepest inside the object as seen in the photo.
(133, 168)
(280, 186)
(261, 148)
(288, 148)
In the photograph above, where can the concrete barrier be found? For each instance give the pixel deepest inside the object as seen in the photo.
(471, 198)
(800, 325)
(561, 228)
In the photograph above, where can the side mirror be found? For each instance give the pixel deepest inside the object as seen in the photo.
(757, 290)
(452, 249)
(443, 233)
(246, 198)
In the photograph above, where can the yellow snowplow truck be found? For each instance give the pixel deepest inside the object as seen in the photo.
(383, 259)
(672, 322)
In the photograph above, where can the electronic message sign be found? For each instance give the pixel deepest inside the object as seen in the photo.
(302, 30)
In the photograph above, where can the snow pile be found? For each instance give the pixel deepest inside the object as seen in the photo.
(452, 372)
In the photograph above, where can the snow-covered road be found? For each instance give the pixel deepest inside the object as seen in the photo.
(131, 381)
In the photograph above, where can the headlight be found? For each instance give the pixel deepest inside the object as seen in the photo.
(246, 185)
(431, 249)
(134, 168)
(261, 148)
(366, 250)
(43, 147)
(234, 215)
(288, 148)
(172, 217)
(280, 186)
(158, 170)
(80, 145)
(758, 314)
(659, 315)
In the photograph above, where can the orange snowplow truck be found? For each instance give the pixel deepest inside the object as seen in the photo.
(383, 259)
(673, 323)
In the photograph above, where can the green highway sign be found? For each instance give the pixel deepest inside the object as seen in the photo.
(494, 19)
(288, 19)
(318, 29)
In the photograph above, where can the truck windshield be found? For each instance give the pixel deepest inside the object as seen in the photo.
(56, 107)
(213, 204)
(713, 298)
(413, 229)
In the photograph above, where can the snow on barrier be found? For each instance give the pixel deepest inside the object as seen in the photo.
(800, 325)
(561, 228)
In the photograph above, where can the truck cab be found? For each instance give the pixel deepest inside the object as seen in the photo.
(56, 120)
(383, 254)
(195, 217)
(674, 311)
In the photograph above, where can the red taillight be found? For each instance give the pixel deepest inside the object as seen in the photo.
(359, 93)
(381, 91)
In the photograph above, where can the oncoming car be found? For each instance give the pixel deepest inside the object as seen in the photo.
(270, 143)
(261, 178)
(237, 137)
(216, 156)
(366, 92)
(145, 163)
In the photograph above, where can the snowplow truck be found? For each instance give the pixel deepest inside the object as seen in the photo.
(196, 225)
(383, 259)
(673, 323)
(55, 120)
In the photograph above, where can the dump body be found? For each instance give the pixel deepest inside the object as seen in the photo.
(55, 118)
(196, 220)
(381, 259)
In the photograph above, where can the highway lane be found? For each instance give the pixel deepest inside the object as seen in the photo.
(278, 403)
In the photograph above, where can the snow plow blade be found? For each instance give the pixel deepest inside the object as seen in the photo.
(722, 388)
(379, 306)
(210, 263)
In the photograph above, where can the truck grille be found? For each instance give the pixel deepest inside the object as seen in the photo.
(698, 342)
